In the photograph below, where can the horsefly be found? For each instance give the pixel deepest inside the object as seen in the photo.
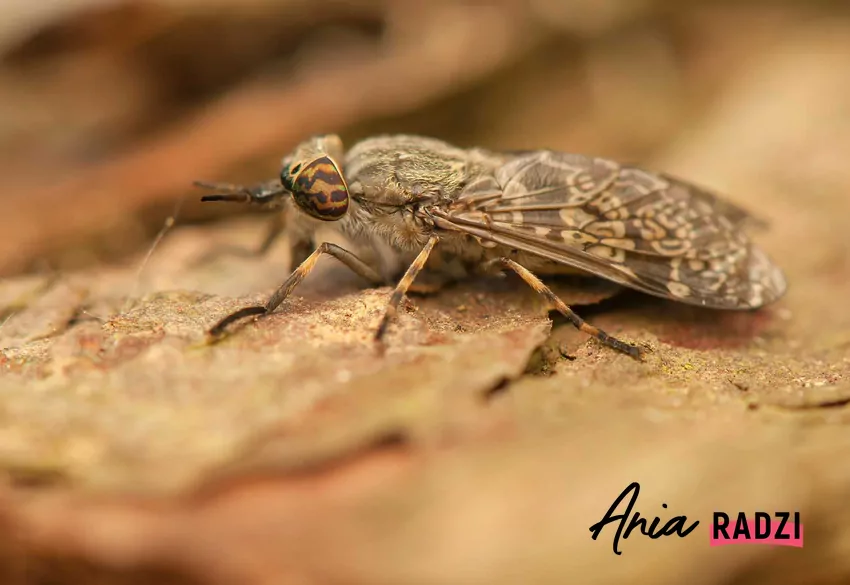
(532, 212)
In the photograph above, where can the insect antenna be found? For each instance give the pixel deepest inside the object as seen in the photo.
(235, 197)
(235, 193)
(268, 194)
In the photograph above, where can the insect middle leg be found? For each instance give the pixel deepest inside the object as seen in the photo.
(403, 286)
(565, 310)
(357, 265)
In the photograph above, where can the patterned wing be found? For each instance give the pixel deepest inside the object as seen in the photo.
(647, 231)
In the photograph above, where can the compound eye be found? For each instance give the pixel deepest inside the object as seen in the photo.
(319, 189)
(288, 174)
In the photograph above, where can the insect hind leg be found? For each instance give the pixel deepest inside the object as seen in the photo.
(564, 309)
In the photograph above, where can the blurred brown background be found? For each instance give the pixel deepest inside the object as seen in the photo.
(108, 110)
(481, 448)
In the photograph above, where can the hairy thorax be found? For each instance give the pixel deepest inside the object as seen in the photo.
(394, 171)
(396, 180)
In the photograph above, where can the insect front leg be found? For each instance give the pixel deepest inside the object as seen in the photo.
(268, 195)
(275, 229)
(403, 286)
(299, 250)
(350, 260)
(564, 309)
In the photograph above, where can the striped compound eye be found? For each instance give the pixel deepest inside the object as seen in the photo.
(318, 188)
